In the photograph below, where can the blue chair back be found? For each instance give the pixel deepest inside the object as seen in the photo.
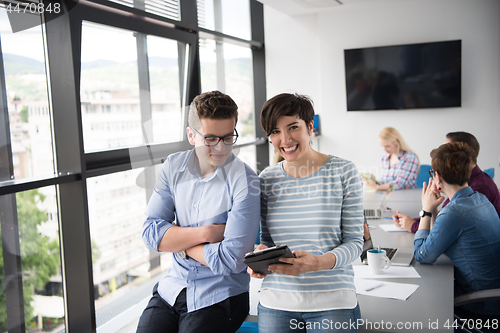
(490, 172)
(257, 241)
(248, 327)
(423, 174)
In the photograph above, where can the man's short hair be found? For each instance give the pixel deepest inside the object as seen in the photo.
(211, 105)
(467, 138)
(453, 162)
(285, 105)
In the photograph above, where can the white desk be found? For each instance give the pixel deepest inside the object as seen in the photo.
(431, 303)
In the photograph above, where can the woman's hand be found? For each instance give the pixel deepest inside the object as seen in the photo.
(431, 197)
(255, 274)
(403, 221)
(251, 271)
(370, 182)
(303, 263)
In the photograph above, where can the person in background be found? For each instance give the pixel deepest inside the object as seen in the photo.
(313, 203)
(467, 230)
(205, 209)
(399, 165)
(479, 181)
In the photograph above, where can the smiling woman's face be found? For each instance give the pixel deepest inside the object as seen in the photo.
(291, 137)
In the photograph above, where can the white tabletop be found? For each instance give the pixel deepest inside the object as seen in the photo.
(431, 303)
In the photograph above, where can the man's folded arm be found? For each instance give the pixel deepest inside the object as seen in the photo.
(242, 226)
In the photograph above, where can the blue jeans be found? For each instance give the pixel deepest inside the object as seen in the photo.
(277, 321)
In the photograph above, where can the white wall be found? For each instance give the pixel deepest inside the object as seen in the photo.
(304, 54)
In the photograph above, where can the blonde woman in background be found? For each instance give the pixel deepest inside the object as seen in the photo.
(399, 165)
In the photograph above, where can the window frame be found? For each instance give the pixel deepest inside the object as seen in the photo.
(74, 166)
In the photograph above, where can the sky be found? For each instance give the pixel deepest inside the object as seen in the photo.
(27, 43)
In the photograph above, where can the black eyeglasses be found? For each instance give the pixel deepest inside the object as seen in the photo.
(213, 140)
(431, 172)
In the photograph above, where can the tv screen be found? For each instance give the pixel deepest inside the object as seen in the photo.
(425, 75)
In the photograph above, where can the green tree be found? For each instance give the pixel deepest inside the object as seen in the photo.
(24, 114)
(40, 257)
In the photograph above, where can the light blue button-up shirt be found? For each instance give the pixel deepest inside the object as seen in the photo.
(231, 196)
(467, 230)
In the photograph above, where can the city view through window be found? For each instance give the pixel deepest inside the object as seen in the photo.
(112, 118)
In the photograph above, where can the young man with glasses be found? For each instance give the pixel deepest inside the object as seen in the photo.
(205, 208)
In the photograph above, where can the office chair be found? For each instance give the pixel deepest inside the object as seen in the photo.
(423, 174)
(248, 327)
(490, 172)
(476, 296)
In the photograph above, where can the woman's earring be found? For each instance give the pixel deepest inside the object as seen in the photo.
(274, 148)
(310, 142)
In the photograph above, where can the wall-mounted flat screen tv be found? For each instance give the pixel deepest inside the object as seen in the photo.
(425, 75)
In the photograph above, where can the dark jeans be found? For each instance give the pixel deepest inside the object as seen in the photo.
(160, 317)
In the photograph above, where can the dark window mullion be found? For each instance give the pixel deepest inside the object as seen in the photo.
(189, 18)
(259, 79)
(64, 57)
(12, 264)
(9, 223)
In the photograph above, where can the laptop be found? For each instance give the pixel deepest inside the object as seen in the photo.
(375, 213)
(398, 257)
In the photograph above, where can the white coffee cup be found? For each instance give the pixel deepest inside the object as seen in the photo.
(378, 261)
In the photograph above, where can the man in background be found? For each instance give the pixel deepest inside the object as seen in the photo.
(479, 182)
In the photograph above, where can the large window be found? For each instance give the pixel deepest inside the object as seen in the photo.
(30, 265)
(121, 266)
(27, 100)
(37, 239)
(231, 17)
(166, 78)
(111, 94)
(92, 103)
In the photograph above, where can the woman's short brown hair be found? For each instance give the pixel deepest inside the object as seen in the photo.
(285, 105)
(453, 162)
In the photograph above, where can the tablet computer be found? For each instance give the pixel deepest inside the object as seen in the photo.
(259, 260)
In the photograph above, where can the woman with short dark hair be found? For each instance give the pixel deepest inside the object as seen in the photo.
(467, 230)
(313, 203)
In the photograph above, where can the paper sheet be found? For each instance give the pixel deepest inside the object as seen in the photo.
(363, 272)
(391, 228)
(399, 291)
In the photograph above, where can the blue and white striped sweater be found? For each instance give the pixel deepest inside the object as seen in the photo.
(319, 213)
